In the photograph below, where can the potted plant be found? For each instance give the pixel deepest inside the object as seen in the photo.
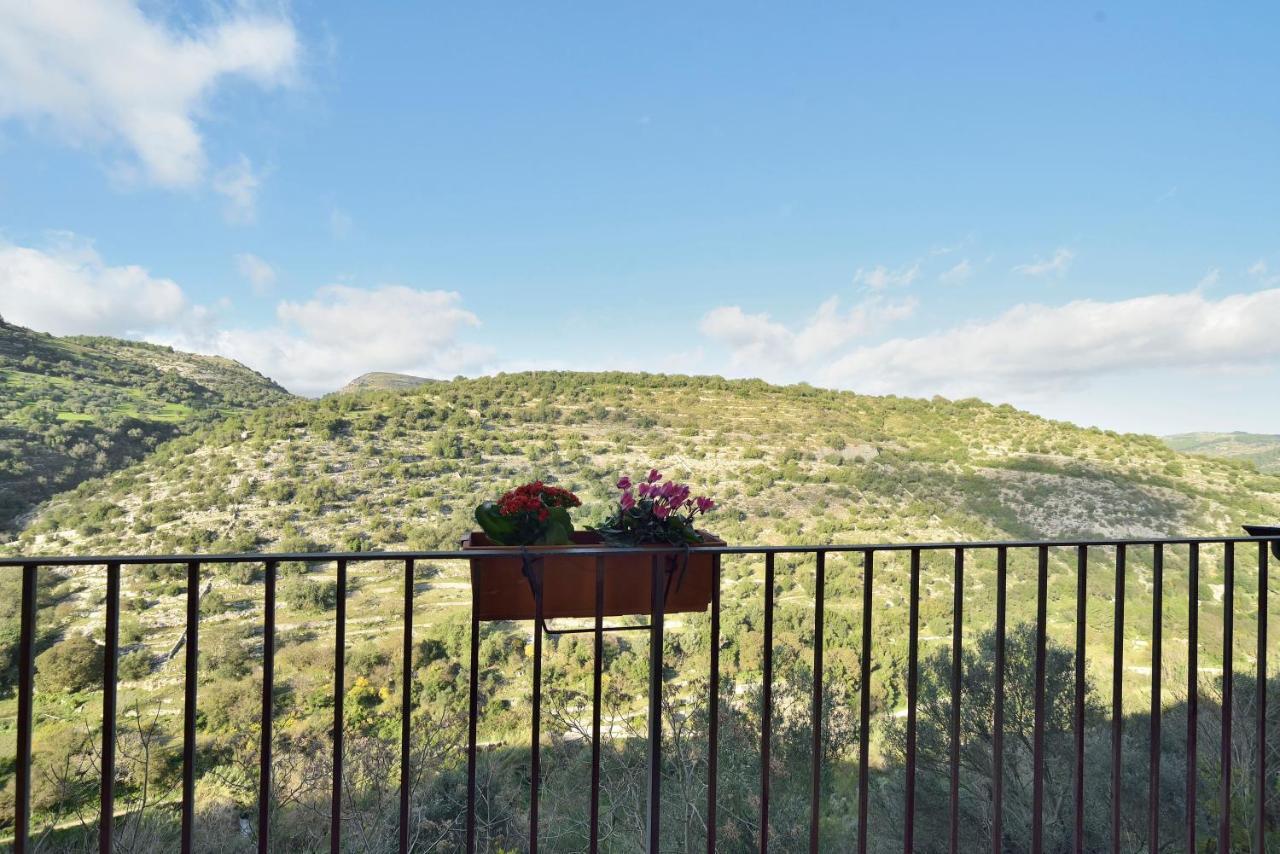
(534, 518)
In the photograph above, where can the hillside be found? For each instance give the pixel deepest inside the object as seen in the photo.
(1263, 450)
(403, 470)
(78, 407)
(383, 381)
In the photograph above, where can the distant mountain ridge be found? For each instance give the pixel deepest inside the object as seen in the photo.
(1262, 449)
(383, 381)
(79, 406)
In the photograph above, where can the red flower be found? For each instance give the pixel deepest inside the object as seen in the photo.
(536, 497)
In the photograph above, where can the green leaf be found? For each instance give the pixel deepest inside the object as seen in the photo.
(497, 527)
(559, 527)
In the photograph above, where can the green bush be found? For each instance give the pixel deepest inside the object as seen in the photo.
(73, 664)
(225, 656)
(303, 595)
(135, 665)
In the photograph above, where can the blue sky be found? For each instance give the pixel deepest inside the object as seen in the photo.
(1073, 210)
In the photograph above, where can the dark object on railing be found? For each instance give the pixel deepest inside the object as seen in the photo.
(501, 589)
(1266, 531)
(662, 597)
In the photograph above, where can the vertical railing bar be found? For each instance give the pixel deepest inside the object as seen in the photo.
(189, 686)
(535, 722)
(713, 709)
(997, 725)
(26, 692)
(339, 695)
(815, 783)
(1117, 699)
(596, 684)
(1193, 688)
(1260, 781)
(913, 678)
(864, 701)
(1228, 690)
(1081, 687)
(766, 705)
(1157, 658)
(1037, 738)
(106, 818)
(268, 680)
(654, 840)
(473, 706)
(406, 707)
(957, 626)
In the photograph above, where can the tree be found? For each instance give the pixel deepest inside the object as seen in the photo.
(303, 595)
(73, 664)
(135, 665)
(977, 764)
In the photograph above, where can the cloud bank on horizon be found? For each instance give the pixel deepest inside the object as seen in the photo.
(316, 345)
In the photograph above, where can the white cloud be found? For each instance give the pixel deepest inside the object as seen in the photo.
(1210, 278)
(1056, 265)
(260, 275)
(761, 344)
(341, 332)
(68, 289)
(1036, 350)
(239, 185)
(880, 277)
(961, 272)
(314, 346)
(749, 337)
(102, 73)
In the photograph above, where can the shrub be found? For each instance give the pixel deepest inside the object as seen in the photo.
(213, 603)
(303, 595)
(74, 664)
(135, 665)
(241, 573)
(225, 656)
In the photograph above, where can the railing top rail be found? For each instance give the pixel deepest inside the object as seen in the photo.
(598, 550)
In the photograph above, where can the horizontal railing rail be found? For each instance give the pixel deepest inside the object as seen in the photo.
(603, 550)
(1081, 549)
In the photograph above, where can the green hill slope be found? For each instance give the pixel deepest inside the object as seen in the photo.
(77, 407)
(1263, 450)
(794, 464)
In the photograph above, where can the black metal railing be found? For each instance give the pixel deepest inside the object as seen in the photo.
(1082, 549)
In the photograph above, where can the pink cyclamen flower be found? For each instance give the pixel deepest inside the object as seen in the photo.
(654, 475)
(662, 511)
(704, 504)
(643, 489)
(624, 483)
(627, 501)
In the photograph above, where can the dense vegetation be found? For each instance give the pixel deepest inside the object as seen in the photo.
(403, 470)
(1260, 449)
(73, 408)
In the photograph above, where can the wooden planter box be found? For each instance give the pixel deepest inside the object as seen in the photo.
(500, 590)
